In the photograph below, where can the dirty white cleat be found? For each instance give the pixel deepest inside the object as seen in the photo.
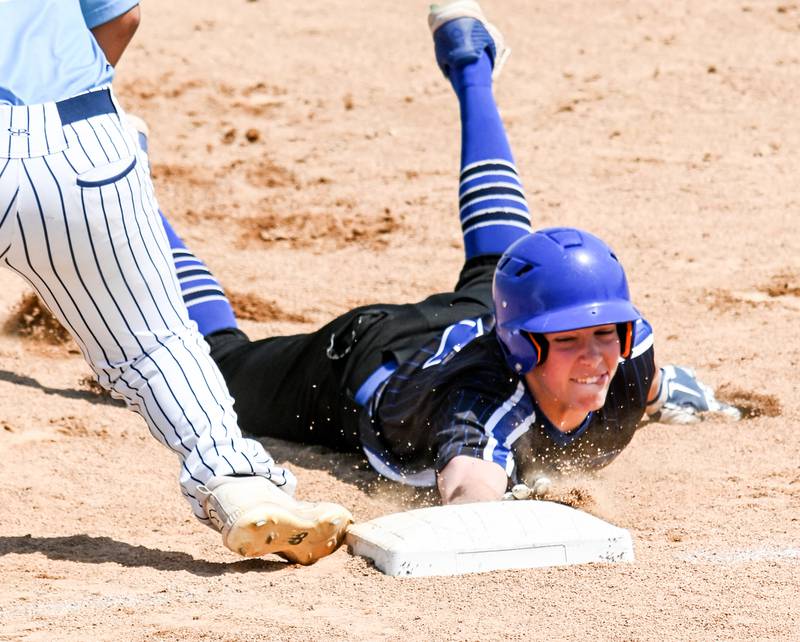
(255, 518)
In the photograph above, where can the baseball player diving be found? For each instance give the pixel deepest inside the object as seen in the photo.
(79, 221)
(537, 364)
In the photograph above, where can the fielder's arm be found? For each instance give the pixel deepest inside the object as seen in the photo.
(468, 479)
(115, 35)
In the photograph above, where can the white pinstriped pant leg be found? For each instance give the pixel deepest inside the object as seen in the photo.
(80, 224)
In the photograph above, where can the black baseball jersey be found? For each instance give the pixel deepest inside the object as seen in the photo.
(452, 394)
(458, 396)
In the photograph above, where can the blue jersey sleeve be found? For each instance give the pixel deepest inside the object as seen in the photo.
(464, 439)
(484, 427)
(642, 337)
(98, 12)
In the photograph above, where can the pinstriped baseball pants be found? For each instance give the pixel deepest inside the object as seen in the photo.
(79, 221)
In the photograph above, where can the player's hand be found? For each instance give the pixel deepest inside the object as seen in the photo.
(540, 488)
(682, 398)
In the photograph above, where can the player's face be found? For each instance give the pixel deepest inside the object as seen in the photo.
(574, 378)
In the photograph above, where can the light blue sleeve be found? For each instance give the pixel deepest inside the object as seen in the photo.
(98, 12)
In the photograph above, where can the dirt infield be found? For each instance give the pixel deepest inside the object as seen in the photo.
(309, 152)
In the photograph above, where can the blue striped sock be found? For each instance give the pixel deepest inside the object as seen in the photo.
(492, 205)
(203, 295)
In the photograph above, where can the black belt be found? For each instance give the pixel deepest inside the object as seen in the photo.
(85, 106)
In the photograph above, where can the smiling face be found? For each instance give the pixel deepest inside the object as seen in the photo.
(574, 378)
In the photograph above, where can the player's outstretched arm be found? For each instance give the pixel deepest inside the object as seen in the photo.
(467, 479)
(114, 35)
(677, 396)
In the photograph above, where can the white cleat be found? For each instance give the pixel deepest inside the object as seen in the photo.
(255, 518)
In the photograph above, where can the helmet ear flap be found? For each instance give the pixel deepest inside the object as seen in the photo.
(625, 332)
(540, 345)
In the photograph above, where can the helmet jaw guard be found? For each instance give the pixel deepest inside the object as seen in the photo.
(554, 280)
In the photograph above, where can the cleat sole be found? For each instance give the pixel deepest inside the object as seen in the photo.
(301, 535)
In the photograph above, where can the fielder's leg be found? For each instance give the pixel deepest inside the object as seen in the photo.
(246, 509)
(492, 205)
(285, 387)
(82, 226)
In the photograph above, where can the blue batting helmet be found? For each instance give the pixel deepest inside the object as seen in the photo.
(554, 280)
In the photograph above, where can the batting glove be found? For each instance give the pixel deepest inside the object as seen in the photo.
(682, 397)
